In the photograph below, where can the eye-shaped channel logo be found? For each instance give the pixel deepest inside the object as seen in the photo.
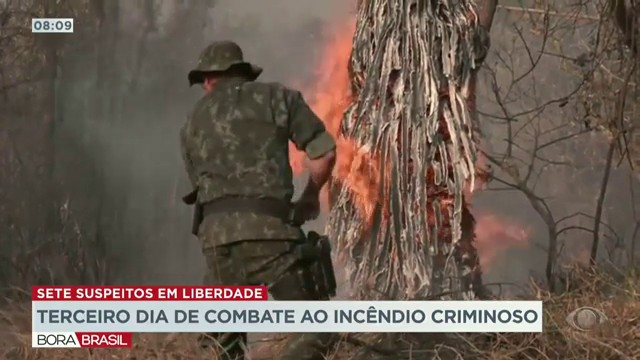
(586, 318)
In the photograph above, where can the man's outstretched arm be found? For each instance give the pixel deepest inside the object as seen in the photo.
(309, 134)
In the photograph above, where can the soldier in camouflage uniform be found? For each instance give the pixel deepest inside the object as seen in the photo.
(235, 149)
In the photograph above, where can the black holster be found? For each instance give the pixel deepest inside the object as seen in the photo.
(192, 199)
(318, 274)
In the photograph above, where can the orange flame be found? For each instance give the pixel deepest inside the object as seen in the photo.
(329, 98)
(496, 234)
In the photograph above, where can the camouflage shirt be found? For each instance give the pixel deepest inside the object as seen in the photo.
(235, 143)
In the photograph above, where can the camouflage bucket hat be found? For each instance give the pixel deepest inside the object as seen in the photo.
(222, 56)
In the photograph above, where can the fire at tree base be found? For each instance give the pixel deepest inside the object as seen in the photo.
(399, 211)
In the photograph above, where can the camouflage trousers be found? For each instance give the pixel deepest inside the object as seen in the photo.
(262, 262)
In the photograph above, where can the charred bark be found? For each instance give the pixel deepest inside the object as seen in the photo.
(626, 18)
(413, 70)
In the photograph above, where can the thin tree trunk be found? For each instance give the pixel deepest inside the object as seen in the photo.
(44, 134)
(600, 204)
(628, 22)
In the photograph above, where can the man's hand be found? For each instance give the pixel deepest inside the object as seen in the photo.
(306, 208)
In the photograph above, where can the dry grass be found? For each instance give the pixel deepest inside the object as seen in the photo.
(619, 338)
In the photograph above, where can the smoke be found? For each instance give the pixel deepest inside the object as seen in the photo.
(566, 172)
(284, 36)
(118, 136)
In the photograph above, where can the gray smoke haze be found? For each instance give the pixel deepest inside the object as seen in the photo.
(567, 174)
(119, 135)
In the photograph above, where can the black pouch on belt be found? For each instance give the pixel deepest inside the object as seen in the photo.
(318, 273)
(192, 199)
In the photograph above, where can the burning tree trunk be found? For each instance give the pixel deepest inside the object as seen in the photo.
(404, 221)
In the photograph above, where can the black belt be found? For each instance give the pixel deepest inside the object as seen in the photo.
(261, 206)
